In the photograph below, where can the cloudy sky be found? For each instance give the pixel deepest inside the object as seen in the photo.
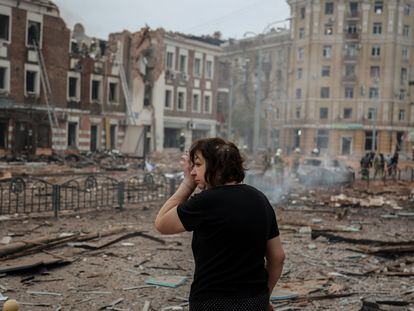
(232, 17)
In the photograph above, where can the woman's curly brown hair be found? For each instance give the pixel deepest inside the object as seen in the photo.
(224, 163)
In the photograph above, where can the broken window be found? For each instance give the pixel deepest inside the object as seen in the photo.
(180, 101)
(298, 93)
(96, 90)
(349, 70)
(376, 50)
(349, 92)
(404, 53)
(147, 95)
(326, 71)
(353, 8)
(207, 103)
(406, 31)
(94, 138)
(322, 139)
(377, 28)
(3, 135)
(327, 51)
(325, 92)
(328, 30)
(302, 13)
(372, 113)
(169, 60)
(369, 140)
(374, 72)
(298, 112)
(403, 76)
(323, 113)
(31, 77)
(168, 99)
(3, 78)
(43, 136)
(73, 87)
(301, 33)
(347, 113)
(196, 104)
(112, 132)
(72, 134)
(352, 28)
(378, 7)
(33, 32)
(4, 27)
(299, 73)
(329, 8)
(209, 69)
(183, 63)
(401, 115)
(373, 92)
(197, 67)
(113, 92)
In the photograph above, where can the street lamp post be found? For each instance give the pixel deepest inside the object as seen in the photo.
(258, 91)
(374, 117)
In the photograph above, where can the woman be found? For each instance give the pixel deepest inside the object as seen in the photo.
(234, 229)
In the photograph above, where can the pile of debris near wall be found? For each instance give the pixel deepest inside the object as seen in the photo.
(348, 248)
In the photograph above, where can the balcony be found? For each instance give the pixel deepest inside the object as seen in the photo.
(353, 15)
(349, 79)
(352, 36)
(350, 58)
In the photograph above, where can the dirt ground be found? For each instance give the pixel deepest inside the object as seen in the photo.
(335, 271)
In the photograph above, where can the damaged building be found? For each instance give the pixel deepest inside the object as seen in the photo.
(58, 93)
(348, 77)
(62, 91)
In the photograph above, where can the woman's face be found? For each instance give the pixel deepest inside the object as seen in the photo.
(198, 171)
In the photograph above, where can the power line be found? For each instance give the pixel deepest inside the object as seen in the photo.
(224, 17)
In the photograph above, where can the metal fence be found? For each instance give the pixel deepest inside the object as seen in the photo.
(31, 195)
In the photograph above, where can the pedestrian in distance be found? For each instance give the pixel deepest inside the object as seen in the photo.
(234, 230)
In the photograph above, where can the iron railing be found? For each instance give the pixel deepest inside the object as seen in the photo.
(25, 195)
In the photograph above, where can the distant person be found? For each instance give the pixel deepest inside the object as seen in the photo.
(267, 158)
(234, 230)
(181, 142)
(279, 166)
(295, 161)
(379, 164)
(365, 166)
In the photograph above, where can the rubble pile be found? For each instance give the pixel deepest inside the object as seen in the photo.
(347, 249)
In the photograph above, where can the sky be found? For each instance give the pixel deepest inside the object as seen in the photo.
(233, 18)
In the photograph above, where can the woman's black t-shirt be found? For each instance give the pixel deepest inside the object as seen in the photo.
(231, 226)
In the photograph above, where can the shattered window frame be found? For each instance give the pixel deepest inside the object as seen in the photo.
(323, 113)
(197, 67)
(347, 113)
(401, 115)
(207, 103)
(5, 27)
(195, 107)
(96, 90)
(377, 28)
(3, 134)
(31, 76)
(326, 71)
(209, 69)
(4, 76)
(349, 92)
(181, 100)
(33, 32)
(168, 99)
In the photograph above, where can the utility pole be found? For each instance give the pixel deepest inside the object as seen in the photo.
(374, 117)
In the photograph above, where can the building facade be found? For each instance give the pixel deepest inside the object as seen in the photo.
(58, 91)
(352, 85)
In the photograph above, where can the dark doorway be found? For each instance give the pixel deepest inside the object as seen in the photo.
(147, 140)
(23, 139)
(43, 136)
(171, 137)
(72, 134)
(3, 135)
(94, 137)
(113, 136)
